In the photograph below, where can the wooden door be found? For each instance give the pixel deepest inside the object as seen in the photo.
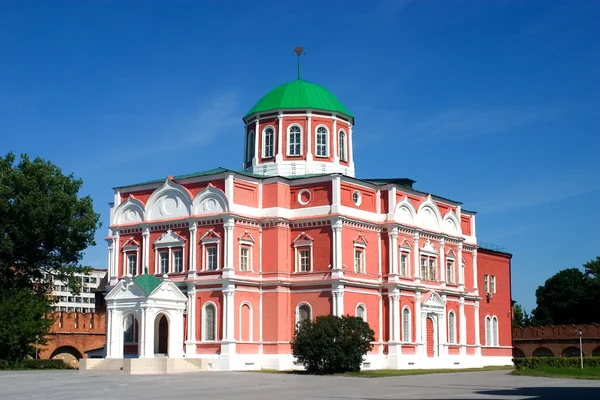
(430, 338)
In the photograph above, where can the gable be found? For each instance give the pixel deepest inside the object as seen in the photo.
(169, 238)
(124, 290)
(167, 291)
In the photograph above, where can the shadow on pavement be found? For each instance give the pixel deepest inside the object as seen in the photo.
(547, 392)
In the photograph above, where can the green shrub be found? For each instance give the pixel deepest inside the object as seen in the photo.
(554, 362)
(34, 364)
(332, 344)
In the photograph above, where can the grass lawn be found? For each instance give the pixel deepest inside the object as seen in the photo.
(567, 372)
(382, 373)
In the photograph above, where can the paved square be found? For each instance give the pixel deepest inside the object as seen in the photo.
(66, 385)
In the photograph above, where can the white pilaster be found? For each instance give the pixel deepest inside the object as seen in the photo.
(418, 318)
(115, 274)
(193, 246)
(279, 155)
(110, 261)
(190, 344)
(145, 250)
(229, 247)
(336, 193)
(337, 266)
(338, 299)
(257, 151)
(309, 135)
(396, 311)
(443, 331)
(148, 328)
(416, 258)
(393, 235)
(260, 321)
(461, 268)
(462, 321)
(442, 262)
(142, 334)
(380, 322)
(379, 261)
(475, 272)
(228, 343)
(391, 203)
(477, 329)
(350, 147)
(334, 145)
(229, 189)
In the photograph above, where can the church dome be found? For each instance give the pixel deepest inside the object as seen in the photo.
(299, 94)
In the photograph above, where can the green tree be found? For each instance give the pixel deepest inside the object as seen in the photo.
(332, 344)
(520, 316)
(45, 225)
(24, 314)
(44, 228)
(563, 299)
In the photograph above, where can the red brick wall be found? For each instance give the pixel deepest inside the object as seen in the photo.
(556, 338)
(73, 330)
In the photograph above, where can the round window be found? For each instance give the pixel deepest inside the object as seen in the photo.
(356, 197)
(304, 196)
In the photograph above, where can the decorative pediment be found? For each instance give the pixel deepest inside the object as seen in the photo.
(451, 224)
(428, 248)
(451, 254)
(360, 241)
(433, 300)
(406, 245)
(169, 201)
(246, 237)
(429, 216)
(210, 236)
(169, 239)
(167, 291)
(210, 201)
(130, 211)
(405, 212)
(303, 240)
(131, 244)
(125, 290)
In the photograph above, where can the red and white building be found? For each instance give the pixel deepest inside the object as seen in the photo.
(219, 266)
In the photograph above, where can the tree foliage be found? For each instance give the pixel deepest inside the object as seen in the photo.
(24, 314)
(520, 316)
(569, 297)
(45, 225)
(332, 344)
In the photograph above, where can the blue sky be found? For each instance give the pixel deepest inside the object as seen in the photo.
(492, 103)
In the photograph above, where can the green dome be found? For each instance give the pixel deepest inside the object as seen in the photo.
(299, 94)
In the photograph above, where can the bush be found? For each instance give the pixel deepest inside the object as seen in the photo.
(34, 364)
(332, 344)
(554, 362)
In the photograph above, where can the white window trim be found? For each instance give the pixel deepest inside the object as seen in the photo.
(209, 241)
(495, 333)
(126, 251)
(303, 303)
(488, 331)
(453, 261)
(169, 246)
(492, 283)
(250, 322)
(216, 324)
(428, 255)
(327, 140)
(287, 145)
(486, 283)
(404, 251)
(452, 327)
(364, 309)
(407, 339)
(345, 147)
(301, 245)
(359, 201)
(243, 243)
(362, 247)
(264, 142)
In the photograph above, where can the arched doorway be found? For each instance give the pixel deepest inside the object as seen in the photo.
(543, 352)
(518, 353)
(430, 337)
(70, 355)
(161, 335)
(570, 352)
(131, 335)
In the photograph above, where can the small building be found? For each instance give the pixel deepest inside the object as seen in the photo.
(221, 265)
(83, 302)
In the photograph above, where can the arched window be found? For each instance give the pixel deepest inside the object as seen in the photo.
(451, 327)
(406, 325)
(488, 331)
(495, 331)
(268, 142)
(361, 312)
(303, 313)
(294, 141)
(342, 146)
(322, 135)
(209, 325)
(250, 147)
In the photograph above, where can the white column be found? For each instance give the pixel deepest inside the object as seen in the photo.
(477, 329)
(350, 146)
(391, 203)
(193, 245)
(334, 145)
(391, 323)
(443, 330)
(418, 319)
(256, 149)
(229, 245)
(380, 326)
(309, 135)
(148, 327)
(145, 250)
(110, 261)
(475, 271)
(416, 258)
(396, 309)
(279, 155)
(229, 317)
(142, 334)
(393, 235)
(109, 334)
(336, 227)
(338, 299)
(115, 273)
(442, 261)
(260, 321)
(459, 264)
(190, 345)
(379, 262)
(462, 321)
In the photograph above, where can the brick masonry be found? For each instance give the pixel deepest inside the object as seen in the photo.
(560, 340)
(75, 334)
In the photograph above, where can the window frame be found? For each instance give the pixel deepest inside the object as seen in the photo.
(133, 329)
(129, 255)
(495, 340)
(300, 246)
(404, 252)
(359, 268)
(325, 145)
(492, 283)
(250, 146)
(215, 329)
(264, 142)
(310, 313)
(364, 310)
(486, 283)
(450, 270)
(210, 240)
(289, 141)
(342, 147)
(428, 258)
(452, 339)
(175, 269)
(160, 261)
(406, 325)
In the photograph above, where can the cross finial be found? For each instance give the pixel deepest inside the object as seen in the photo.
(299, 50)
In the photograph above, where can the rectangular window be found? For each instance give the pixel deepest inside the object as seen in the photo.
(304, 260)
(450, 271)
(404, 265)
(245, 259)
(294, 142)
(163, 262)
(131, 264)
(358, 261)
(423, 268)
(178, 260)
(211, 258)
(486, 283)
(493, 284)
(92, 280)
(432, 271)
